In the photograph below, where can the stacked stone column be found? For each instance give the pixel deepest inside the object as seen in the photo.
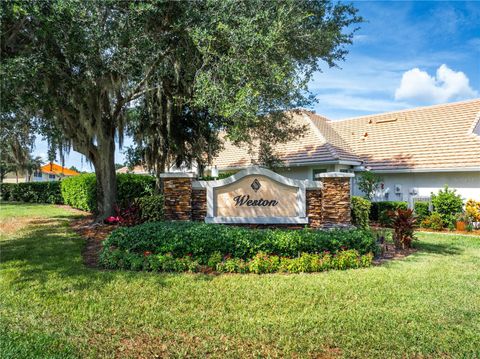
(177, 192)
(336, 210)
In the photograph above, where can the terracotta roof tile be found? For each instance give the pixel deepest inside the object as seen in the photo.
(54, 169)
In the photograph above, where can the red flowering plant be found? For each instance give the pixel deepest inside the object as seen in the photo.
(111, 220)
(403, 222)
(128, 216)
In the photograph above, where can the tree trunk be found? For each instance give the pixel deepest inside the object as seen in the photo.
(104, 163)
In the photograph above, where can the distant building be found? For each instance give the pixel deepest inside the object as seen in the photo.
(416, 151)
(48, 172)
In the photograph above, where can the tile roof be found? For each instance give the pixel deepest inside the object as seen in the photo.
(139, 169)
(319, 143)
(54, 169)
(434, 137)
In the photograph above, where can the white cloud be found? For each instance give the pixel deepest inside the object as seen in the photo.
(446, 85)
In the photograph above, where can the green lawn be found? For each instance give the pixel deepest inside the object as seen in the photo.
(427, 305)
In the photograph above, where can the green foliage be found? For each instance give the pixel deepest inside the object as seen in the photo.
(6, 190)
(422, 210)
(221, 175)
(210, 243)
(151, 208)
(132, 186)
(447, 203)
(368, 183)
(34, 192)
(214, 259)
(190, 69)
(80, 191)
(361, 212)
(403, 222)
(305, 263)
(379, 210)
(434, 221)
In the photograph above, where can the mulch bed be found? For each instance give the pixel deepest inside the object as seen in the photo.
(94, 234)
(389, 252)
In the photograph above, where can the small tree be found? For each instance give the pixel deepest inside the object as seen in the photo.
(368, 183)
(447, 203)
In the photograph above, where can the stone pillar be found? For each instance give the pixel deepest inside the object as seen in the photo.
(199, 204)
(314, 207)
(177, 191)
(336, 211)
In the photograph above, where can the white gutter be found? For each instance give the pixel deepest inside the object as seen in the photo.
(428, 170)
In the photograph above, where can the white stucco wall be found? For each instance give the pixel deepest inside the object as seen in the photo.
(467, 185)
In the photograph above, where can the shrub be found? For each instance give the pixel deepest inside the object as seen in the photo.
(127, 216)
(447, 203)
(222, 175)
(434, 221)
(422, 210)
(472, 210)
(214, 259)
(403, 222)
(379, 210)
(132, 186)
(346, 259)
(81, 192)
(233, 265)
(264, 263)
(305, 263)
(151, 208)
(201, 241)
(361, 212)
(34, 192)
(6, 190)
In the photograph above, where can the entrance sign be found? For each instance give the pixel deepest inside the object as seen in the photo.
(258, 196)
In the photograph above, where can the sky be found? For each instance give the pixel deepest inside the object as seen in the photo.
(405, 55)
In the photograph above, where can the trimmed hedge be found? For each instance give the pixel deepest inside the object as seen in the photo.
(422, 210)
(378, 212)
(361, 212)
(201, 241)
(80, 191)
(33, 192)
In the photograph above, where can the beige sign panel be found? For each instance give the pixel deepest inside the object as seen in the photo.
(256, 196)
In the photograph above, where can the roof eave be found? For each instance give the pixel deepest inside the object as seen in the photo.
(299, 164)
(427, 170)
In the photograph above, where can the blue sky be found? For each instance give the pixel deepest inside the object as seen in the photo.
(406, 54)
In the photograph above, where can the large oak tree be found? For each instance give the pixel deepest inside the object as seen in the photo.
(83, 66)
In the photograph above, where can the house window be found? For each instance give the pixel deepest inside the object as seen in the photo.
(37, 174)
(345, 170)
(51, 176)
(317, 171)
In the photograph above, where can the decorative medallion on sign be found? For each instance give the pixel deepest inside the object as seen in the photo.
(255, 185)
